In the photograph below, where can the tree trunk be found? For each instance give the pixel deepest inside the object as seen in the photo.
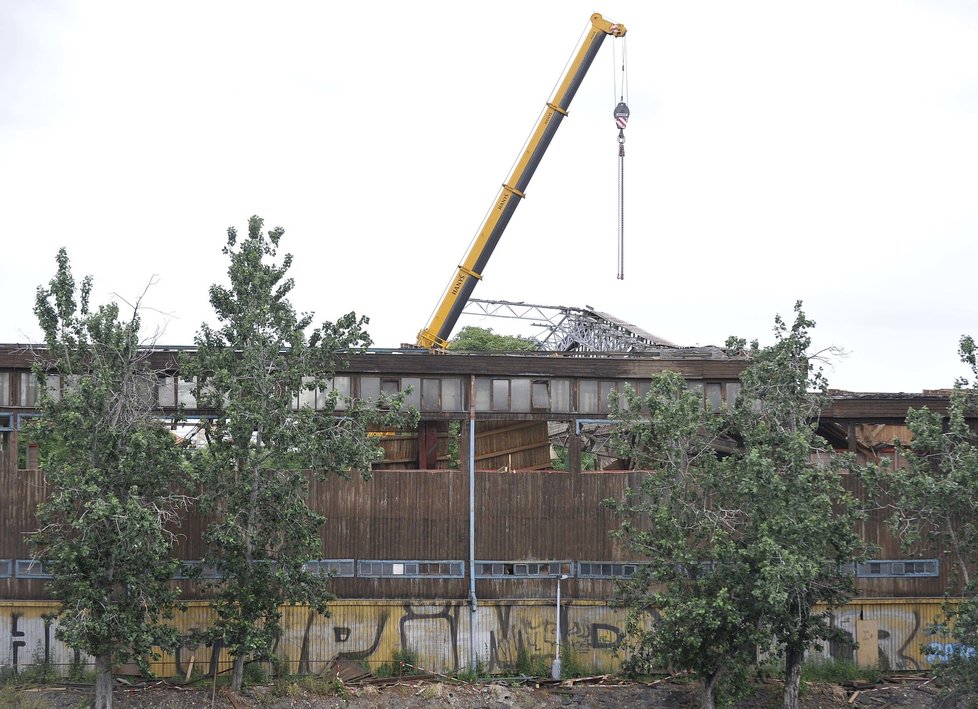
(103, 682)
(792, 678)
(237, 673)
(708, 686)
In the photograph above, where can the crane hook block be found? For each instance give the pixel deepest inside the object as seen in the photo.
(621, 115)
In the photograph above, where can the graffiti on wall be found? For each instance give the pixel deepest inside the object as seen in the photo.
(587, 631)
(441, 635)
(906, 635)
(27, 637)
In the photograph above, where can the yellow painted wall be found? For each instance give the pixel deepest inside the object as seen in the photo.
(439, 633)
(903, 628)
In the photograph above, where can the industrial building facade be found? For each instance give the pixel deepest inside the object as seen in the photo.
(398, 544)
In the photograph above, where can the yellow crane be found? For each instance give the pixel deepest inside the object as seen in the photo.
(439, 329)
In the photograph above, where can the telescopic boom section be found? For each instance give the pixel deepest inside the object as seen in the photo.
(458, 292)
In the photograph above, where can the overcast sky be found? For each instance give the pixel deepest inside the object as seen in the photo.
(823, 151)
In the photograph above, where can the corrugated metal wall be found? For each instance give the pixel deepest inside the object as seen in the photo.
(901, 635)
(423, 515)
(20, 493)
(439, 634)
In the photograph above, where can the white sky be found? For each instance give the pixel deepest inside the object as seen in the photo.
(824, 151)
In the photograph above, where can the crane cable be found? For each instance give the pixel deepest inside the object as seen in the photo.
(621, 120)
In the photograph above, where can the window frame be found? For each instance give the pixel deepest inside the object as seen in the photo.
(365, 568)
(207, 573)
(887, 569)
(585, 569)
(315, 566)
(510, 569)
(23, 567)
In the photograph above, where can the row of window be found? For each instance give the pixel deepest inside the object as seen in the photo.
(387, 568)
(427, 394)
(890, 569)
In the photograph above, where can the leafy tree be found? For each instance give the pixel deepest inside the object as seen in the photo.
(807, 521)
(934, 502)
(250, 371)
(709, 622)
(742, 545)
(483, 339)
(112, 471)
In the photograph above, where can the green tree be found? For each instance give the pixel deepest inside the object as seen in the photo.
(707, 620)
(483, 339)
(744, 518)
(805, 524)
(934, 503)
(261, 446)
(112, 471)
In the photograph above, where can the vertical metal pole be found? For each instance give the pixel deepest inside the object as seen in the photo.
(473, 602)
(555, 668)
(557, 636)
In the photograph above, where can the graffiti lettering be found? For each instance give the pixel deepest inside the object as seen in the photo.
(420, 631)
(942, 653)
(15, 632)
(439, 634)
(605, 636)
(364, 654)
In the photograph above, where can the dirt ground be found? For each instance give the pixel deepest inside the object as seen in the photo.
(672, 694)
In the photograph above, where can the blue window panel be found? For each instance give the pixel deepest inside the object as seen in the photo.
(31, 569)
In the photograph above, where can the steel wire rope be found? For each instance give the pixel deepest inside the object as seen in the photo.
(621, 213)
(623, 100)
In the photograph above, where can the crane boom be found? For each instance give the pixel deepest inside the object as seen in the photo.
(440, 327)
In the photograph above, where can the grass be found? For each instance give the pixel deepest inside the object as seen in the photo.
(12, 697)
(473, 674)
(838, 672)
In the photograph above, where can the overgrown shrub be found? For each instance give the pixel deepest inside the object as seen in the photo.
(256, 673)
(403, 664)
(524, 661)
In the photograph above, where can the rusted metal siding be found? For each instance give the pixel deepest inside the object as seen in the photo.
(20, 493)
(875, 447)
(423, 515)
